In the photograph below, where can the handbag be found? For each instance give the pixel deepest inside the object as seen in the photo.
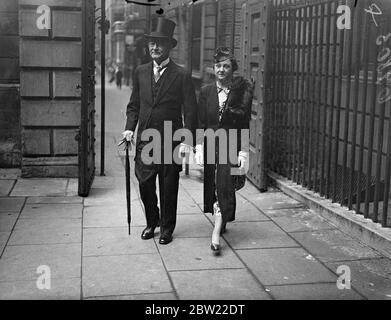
(239, 181)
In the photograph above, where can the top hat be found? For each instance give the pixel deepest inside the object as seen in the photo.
(163, 29)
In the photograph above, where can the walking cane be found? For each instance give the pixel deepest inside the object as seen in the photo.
(127, 177)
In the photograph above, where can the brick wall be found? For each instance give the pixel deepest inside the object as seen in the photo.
(50, 63)
(10, 155)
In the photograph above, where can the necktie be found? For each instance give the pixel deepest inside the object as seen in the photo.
(156, 73)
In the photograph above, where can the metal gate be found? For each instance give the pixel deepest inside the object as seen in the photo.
(87, 127)
(329, 126)
(254, 48)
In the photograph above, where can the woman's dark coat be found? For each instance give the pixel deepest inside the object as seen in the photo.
(236, 115)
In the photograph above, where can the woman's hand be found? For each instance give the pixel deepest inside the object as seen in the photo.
(243, 161)
(128, 135)
(199, 155)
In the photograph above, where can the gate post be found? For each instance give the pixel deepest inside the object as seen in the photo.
(255, 48)
(50, 62)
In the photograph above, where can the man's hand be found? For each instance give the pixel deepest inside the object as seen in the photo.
(243, 161)
(199, 155)
(128, 135)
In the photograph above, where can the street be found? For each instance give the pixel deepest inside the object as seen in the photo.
(276, 249)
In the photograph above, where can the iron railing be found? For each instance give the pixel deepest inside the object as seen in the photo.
(329, 105)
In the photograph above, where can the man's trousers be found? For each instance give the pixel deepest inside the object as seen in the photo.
(168, 175)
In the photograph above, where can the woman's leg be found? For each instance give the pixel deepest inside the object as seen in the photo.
(225, 190)
(218, 224)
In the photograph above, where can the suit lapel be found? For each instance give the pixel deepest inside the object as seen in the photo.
(170, 74)
(148, 84)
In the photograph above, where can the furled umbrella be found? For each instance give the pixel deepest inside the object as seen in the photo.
(127, 177)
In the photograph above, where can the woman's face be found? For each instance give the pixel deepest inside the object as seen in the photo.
(223, 70)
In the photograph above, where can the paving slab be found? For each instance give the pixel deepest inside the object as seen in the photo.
(11, 204)
(7, 220)
(285, 266)
(60, 289)
(113, 216)
(151, 296)
(6, 173)
(298, 219)
(6, 186)
(370, 277)
(193, 226)
(49, 231)
(257, 234)
(21, 262)
(107, 196)
(272, 201)
(246, 211)
(229, 284)
(195, 254)
(186, 205)
(72, 188)
(108, 182)
(4, 235)
(52, 211)
(115, 241)
(37, 187)
(50, 200)
(124, 275)
(333, 245)
(249, 189)
(313, 291)
(195, 194)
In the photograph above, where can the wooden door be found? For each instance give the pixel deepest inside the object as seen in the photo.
(254, 49)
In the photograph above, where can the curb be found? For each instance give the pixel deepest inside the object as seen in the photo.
(364, 230)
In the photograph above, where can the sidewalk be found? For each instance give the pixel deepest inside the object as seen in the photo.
(276, 249)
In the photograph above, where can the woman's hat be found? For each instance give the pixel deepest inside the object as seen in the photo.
(224, 53)
(163, 29)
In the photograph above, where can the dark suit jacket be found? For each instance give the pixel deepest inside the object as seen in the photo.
(175, 97)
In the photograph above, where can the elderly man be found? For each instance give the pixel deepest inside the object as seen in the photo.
(162, 91)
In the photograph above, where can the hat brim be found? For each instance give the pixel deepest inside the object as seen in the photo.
(172, 40)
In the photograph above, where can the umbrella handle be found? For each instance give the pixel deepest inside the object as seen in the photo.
(128, 144)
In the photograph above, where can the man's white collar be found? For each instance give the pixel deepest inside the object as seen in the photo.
(163, 64)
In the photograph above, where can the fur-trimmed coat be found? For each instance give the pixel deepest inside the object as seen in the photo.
(237, 111)
(236, 115)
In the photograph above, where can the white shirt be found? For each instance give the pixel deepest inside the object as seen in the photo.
(162, 65)
(222, 93)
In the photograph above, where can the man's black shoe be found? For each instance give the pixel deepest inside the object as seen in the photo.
(165, 239)
(148, 233)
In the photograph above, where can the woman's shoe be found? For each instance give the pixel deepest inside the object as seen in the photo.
(215, 248)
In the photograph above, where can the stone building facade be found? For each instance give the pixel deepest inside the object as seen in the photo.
(10, 135)
(50, 68)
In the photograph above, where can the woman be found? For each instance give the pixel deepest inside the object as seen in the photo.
(224, 104)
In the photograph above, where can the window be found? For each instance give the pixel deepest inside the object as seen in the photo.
(197, 36)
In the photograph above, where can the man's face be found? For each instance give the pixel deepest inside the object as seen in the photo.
(159, 49)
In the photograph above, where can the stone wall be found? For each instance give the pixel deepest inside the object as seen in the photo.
(10, 154)
(50, 61)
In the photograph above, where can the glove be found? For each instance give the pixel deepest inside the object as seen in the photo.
(183, 149)
(128, 135)
(199, 155)
(243, 161)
